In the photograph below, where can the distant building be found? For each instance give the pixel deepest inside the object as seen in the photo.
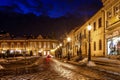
(23, 44)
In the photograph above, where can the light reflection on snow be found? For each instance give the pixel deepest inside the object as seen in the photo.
(65, 70)
(66, 65)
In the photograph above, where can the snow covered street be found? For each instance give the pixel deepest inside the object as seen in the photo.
(58, 70)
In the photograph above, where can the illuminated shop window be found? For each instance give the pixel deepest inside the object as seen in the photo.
(113, 46)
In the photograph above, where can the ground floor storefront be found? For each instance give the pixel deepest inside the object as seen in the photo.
(113, 43)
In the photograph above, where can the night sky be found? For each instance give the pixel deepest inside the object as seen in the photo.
(45, 17)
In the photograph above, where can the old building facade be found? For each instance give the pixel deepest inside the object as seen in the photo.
(24, 45)
(104, 35)
(96, 36)
(112, 26)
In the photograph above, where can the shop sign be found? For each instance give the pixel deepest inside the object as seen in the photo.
(113, 34)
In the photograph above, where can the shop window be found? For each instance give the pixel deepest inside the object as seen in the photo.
(114, 46)
(117, 48)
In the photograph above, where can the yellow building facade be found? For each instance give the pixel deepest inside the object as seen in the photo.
(104, 35)
(97, 36)
(112, 26)
(22, 44)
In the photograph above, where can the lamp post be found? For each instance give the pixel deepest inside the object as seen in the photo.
(25, 45)
(60, 50)
(68, 54)
(89, 49)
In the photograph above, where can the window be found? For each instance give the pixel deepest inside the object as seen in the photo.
(2, 45)
(94, 46)
(40, 45)
(53, 45)
(80, 37)
(85, 33)
(12, 45)
(100, 44)
(94, 26)
(99, 22)
(109, 14)
(18, 45)
(44, 44)
(48, 44)
(116, 9)
(24, 45)
(31, 44)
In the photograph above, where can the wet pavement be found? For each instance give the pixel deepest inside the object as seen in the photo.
(57, 70)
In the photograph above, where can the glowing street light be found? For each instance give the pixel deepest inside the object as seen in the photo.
(68, 40)
(60, 44)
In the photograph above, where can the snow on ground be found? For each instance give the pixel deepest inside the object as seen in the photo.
(85, 61)
(103, 59)
(1, 67)
(3, 60)
(91, 63)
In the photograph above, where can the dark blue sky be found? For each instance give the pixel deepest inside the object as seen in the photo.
(57, 12)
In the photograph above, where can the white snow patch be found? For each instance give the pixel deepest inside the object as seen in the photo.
(91, 63)
(1, 67)
(3, 60)
(65, 61)
(107, 60)
(84, 60)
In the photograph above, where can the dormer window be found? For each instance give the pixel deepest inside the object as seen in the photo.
(109, 14)
(116, 9)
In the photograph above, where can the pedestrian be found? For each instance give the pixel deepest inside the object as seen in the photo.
(48, 58)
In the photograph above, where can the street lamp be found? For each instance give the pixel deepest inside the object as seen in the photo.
(60, 51)
(89, 49)
(68, 40)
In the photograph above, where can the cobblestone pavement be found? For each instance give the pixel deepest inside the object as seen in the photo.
(56, 70)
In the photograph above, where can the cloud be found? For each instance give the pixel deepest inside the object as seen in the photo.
(52, 8)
